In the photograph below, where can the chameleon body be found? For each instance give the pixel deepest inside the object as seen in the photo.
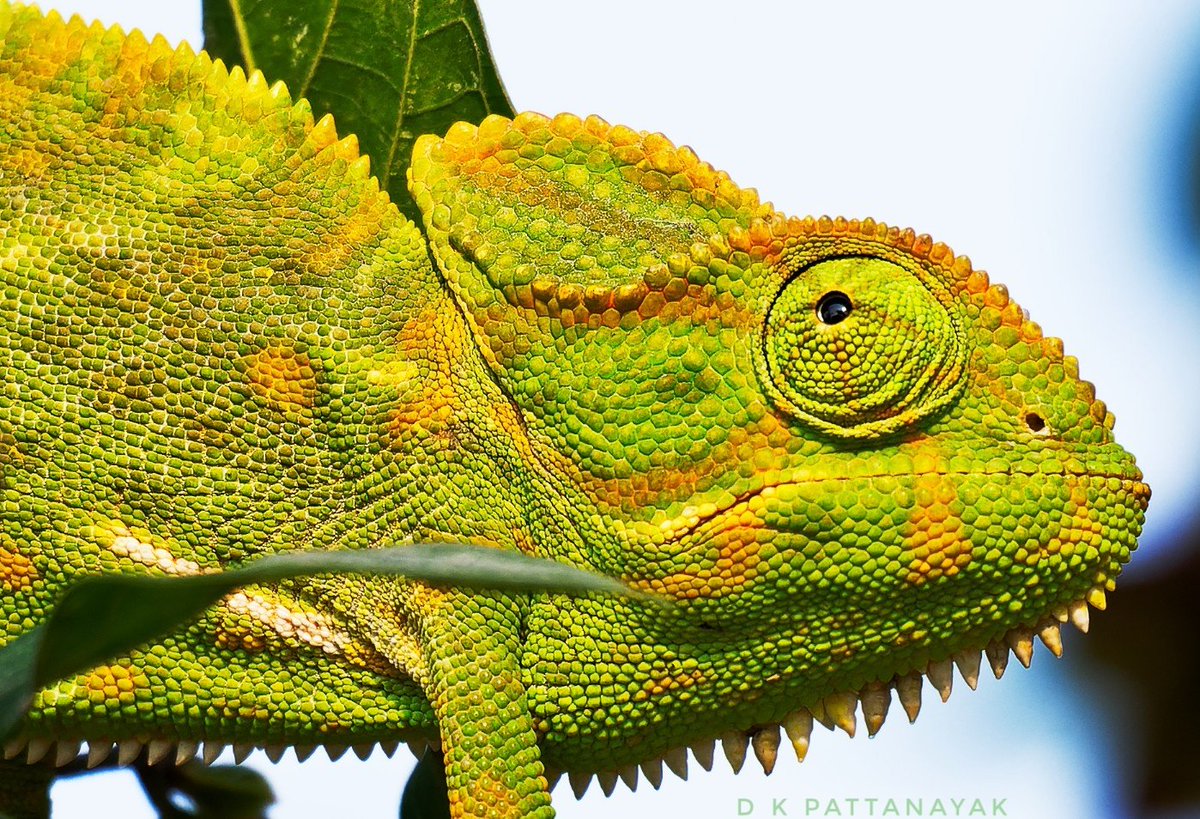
(847, 457)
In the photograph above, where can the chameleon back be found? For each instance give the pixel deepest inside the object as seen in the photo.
(203, 293)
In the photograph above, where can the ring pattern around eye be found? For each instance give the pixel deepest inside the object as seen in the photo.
(896, 356)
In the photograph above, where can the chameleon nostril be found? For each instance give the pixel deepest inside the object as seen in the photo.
(1035, 422)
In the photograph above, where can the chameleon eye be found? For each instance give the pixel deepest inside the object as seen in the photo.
(902, 358)
(833, 307)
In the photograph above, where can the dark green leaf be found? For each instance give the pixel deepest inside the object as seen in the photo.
(388, 70)
(24, 790)
(197, 791)
(105, 615)
(425, 795)
(18, 677)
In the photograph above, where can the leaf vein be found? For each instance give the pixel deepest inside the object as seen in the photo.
(320, 50)
(239, 25)
(386, 173)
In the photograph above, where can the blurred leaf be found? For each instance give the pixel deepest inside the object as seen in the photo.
(24, 790)
(198, 791)
(1149, 640)
(388, 70)
(102, 616)
(18, 677)
(425, 795)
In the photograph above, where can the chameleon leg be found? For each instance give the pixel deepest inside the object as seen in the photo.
(493, 764)
(25, 790)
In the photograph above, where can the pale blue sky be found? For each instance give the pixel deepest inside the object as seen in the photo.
(1034, 137)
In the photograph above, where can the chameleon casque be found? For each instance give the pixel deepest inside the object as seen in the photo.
(847, 457)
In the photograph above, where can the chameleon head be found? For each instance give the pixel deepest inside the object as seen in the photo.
(843, 452)
(831, 438)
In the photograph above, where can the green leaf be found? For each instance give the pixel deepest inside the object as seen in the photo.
(197, 791)
(388, 70)
(102, 616)
(425, 795)
(18, 677)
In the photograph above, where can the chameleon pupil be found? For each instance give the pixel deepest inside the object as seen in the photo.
(833, 307)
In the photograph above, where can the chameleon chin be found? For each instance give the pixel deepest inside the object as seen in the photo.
(848, 457)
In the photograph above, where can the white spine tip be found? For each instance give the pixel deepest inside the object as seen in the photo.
(676, 761)
(798, 726)
(941, 677)
(607, 782)
(968, 667)
(997, 655)
(13, 748)
(66, 752)
(579, 782)
(908, 688)
(98, 752)
(652, 770)
(1020, 640)
(212, 750)
(37, 750)
(127, 751)
(1078, 612)
(186, 751)
(766, 747)
(733, 744)
(1051, 638)
(629, 775)
(876, 699)
(157, 750)
(840, 708)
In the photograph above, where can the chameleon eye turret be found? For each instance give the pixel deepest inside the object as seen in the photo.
(862, 346)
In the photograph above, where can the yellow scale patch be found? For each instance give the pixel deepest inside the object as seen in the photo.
(936, 542)
(26, 162)
(738, 549)
(113, 683)
(284, 378)
(1079, 526)
(683, 679)
(427, 403)
(17, 572)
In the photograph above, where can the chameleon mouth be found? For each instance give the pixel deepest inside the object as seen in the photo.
(694, 522)
(841, 710)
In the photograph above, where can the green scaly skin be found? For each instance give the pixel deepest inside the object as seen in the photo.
(219, 340)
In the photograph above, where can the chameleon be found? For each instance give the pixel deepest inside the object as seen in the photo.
(848, 460)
